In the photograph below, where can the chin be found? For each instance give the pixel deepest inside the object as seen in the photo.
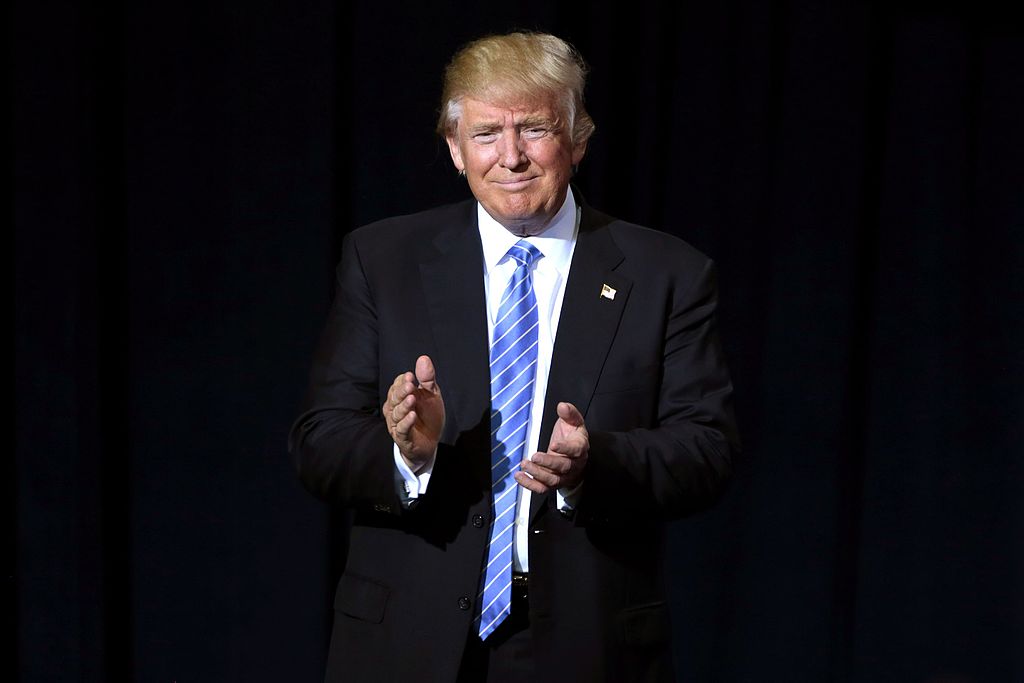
(522, 211)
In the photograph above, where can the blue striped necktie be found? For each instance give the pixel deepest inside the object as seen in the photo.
(513, 370)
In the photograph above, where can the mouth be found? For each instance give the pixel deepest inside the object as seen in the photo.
(515, 184)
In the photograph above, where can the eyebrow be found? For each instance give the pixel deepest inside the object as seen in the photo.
(532, 121)
(493, 126)
(485, 127)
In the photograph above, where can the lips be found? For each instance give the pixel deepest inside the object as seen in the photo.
(515, 184)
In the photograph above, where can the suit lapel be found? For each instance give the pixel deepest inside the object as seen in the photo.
(453, 296)
(595, 297)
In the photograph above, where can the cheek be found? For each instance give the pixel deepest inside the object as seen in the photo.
(480, 162)
(556, 161)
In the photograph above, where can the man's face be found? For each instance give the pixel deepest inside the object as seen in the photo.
(517, 161)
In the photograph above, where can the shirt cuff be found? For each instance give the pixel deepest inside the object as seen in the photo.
(415, 484)
(568, 499)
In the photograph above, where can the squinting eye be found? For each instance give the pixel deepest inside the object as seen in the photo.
(535, 132)
(485, 138)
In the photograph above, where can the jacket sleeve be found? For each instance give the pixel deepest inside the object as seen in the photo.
(340, 444)
(681, 462)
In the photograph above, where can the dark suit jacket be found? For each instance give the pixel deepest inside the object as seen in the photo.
(646, 370)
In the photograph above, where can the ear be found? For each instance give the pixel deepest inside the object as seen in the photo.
(578, 152)
(456, 152)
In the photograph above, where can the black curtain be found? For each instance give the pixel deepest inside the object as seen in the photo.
(184, 173)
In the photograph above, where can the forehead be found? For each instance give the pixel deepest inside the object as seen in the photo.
(476, 111)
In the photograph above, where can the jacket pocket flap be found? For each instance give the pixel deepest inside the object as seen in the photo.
(361, 598)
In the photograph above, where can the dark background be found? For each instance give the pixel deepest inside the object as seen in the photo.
(184, 173)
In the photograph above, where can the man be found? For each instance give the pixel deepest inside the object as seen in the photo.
(514, 395)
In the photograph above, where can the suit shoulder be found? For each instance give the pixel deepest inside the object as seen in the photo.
(641, 242)
(413, 228)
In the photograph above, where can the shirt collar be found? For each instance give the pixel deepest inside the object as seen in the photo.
(556, 242)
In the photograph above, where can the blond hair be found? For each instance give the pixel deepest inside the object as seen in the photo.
(517, 68)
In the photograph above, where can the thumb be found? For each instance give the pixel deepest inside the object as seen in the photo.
(570, 414)
(425, 376)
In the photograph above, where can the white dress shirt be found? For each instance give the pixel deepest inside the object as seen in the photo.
(556, 243)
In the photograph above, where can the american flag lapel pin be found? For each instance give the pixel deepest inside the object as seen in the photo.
(607, 292)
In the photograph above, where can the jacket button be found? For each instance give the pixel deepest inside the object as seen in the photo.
(464, 603)
(478, 521)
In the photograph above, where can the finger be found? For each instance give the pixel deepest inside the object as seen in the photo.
(407, 404)
(559, 464)
(544, 476)
(569, 448)
(563, 448)
(390, 400)
(570, 414)
(395, 398)
(401, 387)
(401, 379)
(404, 426)
(425, 374)
(531, 484)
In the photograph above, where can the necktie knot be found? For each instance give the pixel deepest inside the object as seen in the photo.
(524, 253)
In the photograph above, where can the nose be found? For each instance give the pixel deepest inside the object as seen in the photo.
(511, 154)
